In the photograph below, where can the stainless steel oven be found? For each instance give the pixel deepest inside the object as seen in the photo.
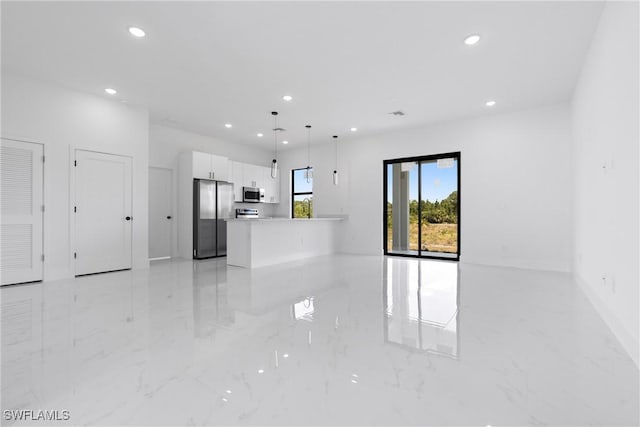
(252, 195)
(247, 213)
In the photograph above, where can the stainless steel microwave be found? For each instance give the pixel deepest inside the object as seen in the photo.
(252, 195)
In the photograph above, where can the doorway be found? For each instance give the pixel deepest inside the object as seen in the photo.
(22, 191)
(421, 207)
(102, 212)
(160, 212)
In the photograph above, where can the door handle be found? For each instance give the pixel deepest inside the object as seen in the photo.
(128, 218)
(169, 217)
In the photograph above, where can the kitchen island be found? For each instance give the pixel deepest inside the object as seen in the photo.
(255, 243)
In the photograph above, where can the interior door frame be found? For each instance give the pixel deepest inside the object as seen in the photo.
(431, 157)
(72, 202)
(44, 203)
(171, 208)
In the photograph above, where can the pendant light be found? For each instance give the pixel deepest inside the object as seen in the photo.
(308, 173)
(274, 162)
(335, 171)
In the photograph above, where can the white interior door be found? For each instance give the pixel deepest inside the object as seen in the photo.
(22, 206)
(160, 216)
(103, 215)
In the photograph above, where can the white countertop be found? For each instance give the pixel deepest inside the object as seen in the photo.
(259, 220)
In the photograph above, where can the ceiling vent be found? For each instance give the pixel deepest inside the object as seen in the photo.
(397, 113)
(279, 129)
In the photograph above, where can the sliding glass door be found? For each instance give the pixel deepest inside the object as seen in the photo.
(422, 206)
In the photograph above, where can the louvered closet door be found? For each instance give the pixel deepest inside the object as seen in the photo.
(22, 204)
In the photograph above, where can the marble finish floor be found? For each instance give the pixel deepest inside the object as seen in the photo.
(334, 340)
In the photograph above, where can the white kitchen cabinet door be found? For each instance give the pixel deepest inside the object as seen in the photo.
(237, 170)
(103, 215)
(22, 217)
(251, 175)
(220, 168)
(271, 187)
(265, 177)
(273, 194)
(202, 166)
(264, 181)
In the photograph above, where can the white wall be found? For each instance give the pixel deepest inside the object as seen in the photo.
(166, 143)
(64, 120)
(515, 185)
(605, 118)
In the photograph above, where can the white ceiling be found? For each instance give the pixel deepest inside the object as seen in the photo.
(204, 64)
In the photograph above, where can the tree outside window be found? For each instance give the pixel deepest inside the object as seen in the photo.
(301, 194)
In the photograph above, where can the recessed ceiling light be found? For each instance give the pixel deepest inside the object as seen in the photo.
(137, 32)
(353, 129)
(260, 135)
(490, 103)
(287, 97)
(261, 371)
(285, 142)
(228, 125)
(111, 91)
(472, 39)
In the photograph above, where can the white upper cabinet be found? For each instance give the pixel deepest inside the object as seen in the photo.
(248, 175)
(252, 176)
(220, 168)
(210, 166)
(201, 165)
(271, 187)
(237, 174)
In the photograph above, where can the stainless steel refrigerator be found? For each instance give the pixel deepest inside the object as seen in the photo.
(212, 204)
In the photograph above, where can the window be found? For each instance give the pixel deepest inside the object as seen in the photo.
(301, 194)
(421, 206)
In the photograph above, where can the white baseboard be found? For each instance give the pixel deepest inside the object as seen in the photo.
(628, 341)
(523, 264)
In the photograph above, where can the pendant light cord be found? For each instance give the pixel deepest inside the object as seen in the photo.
(335, 138)
(275, 133)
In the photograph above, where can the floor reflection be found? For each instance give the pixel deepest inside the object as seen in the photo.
(421, 305)
(340, 340)
(303, 310)
(21, 338)
(211, 309)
